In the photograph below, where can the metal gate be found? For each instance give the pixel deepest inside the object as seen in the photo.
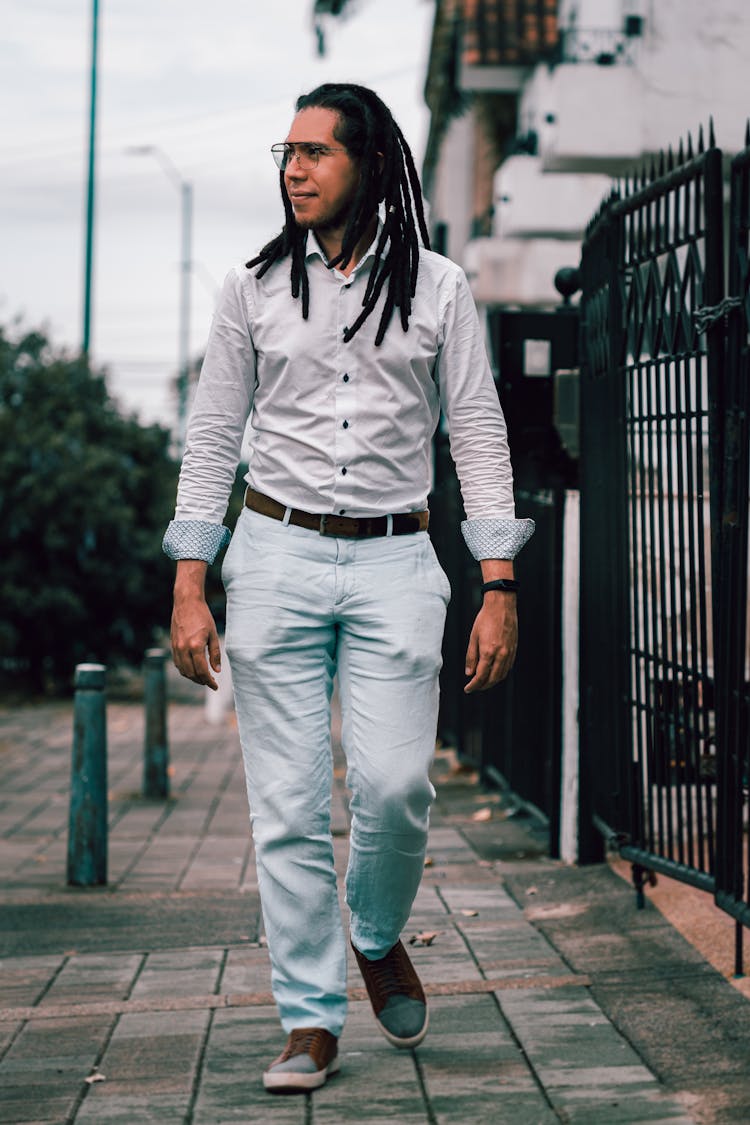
(664, 730)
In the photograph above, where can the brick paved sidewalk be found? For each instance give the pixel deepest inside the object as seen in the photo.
(148, 1000)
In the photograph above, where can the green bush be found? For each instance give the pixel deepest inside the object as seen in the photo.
(85, 496)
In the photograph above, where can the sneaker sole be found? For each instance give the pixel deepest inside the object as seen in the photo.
(405, 1044)
(293, 1082)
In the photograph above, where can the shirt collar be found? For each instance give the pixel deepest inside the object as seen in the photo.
(314, 249)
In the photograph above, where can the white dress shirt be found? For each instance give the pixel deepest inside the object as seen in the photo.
(344, 428)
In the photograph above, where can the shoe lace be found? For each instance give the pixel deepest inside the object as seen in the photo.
(303, 1040)
(390, 975)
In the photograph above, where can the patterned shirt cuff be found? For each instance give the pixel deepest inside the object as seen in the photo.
(195, 539)
(497, 538)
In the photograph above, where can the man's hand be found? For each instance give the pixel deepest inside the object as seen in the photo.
(494, 636)
(193, 627)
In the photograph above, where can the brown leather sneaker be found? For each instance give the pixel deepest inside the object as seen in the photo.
(396, 995)
(310, 1056)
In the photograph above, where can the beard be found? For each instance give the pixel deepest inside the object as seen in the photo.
(335, 221)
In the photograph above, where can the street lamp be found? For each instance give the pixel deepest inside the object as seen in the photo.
(88, 265)
(185, 189)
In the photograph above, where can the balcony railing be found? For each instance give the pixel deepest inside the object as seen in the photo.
(604, 46)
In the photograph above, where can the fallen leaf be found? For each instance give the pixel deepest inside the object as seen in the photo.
(531, 890)
(428, 861)
(95, 1076)
(171, 771)
(470, 913)
(424, 938)
(482, 814)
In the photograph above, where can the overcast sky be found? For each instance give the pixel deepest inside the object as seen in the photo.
(213, 85)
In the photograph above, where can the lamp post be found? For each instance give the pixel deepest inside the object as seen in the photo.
(185, 189)
(89, 253)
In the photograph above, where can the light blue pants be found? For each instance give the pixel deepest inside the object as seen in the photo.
(300, 607)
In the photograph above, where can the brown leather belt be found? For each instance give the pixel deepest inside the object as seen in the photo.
(349, 527)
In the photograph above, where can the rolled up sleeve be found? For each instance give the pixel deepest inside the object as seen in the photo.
(222, 404)
(477, 431)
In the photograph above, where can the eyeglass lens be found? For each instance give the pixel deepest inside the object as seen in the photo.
(307, 155)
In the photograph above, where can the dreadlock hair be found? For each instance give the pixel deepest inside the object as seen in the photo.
(368, 132)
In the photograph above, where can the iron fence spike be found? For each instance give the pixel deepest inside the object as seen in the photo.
(681, 153)
(690, 146)
(747, 133)
(662, 162)
(711, 137)
(701, 144)
(670, 159)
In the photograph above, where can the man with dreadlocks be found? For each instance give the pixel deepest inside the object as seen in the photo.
(341, 342)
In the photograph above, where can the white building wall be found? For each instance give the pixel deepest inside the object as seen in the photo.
(689, 64)
(452, 196)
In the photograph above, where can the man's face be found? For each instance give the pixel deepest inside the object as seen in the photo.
(320, 196)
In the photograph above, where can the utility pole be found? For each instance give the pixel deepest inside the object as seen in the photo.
(185, 189)
(89, 258)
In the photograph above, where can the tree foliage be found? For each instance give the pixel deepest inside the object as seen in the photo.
(85, 495)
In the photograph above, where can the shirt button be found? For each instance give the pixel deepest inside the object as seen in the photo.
(346, 425)
(346, 378)
(343, 471)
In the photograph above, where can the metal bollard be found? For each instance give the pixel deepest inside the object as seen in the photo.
(87, 826)
(155, 749)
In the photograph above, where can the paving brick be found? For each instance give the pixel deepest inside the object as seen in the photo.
(147, 1108)
(151, 1057)
(241, 1043)
(86, 978)
(22, 979)
(179, 973)
(43, 1073)
(473, 1069)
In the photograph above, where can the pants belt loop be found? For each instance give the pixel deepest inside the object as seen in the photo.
(389, 525)
(287, 516)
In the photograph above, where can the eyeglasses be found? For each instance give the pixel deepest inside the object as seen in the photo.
(307, 155)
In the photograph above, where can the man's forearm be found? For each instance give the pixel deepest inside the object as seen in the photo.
(190, 579)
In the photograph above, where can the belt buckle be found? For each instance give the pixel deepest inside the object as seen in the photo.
(323, 525)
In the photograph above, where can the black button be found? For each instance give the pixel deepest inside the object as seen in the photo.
(346, 378)
(343, 472)
(346, 425)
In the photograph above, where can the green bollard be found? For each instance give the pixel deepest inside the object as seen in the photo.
(87, 825)
(155, 749)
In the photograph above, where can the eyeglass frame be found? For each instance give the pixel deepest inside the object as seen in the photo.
(282, 157)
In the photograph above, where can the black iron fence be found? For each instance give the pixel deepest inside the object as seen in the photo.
(664, 513)
(664, 678)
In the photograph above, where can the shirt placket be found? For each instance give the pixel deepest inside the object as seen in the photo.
(345, 398)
